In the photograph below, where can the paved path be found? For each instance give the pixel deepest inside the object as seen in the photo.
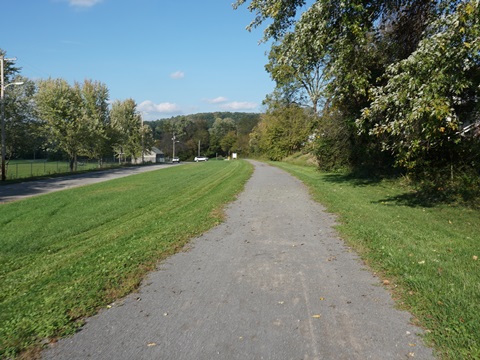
(272, 282)
(18, 191)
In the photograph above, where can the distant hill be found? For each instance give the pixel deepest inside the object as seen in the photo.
(211, 116)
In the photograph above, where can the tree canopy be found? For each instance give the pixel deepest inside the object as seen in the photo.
(400, 80)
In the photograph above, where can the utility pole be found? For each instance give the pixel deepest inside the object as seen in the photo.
(2, 111)
(174, 139)
(198, 148)
(143, 141)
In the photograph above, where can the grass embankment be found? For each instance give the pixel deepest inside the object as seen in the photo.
(66, 254)
(22, 169)
(428, 254)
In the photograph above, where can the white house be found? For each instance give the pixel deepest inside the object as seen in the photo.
(153, 156)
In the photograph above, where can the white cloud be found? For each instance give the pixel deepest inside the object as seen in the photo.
(217, 100)
(239, 105)
(177, 75)
(153, 111)
(84, 3)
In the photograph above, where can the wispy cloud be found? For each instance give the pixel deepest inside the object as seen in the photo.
(83, 3)
(217, 100)
(177, 75)
(153, 111)
(239, 105)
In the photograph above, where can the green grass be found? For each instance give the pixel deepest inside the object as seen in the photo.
(65, 255)
(427, 252)
(21, 169)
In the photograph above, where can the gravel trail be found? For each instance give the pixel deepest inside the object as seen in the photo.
(274, 281)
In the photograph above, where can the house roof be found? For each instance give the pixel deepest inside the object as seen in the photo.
(157, 151)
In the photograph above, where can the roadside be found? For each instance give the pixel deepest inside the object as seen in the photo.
(274, 281)
(22, 190)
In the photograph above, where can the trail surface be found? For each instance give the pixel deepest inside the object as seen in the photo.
(273, 281)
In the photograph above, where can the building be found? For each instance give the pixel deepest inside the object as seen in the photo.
(153, 156)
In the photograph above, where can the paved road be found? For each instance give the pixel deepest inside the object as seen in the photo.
(272, 282)
(18, 191)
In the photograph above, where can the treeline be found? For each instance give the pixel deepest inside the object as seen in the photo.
(52, 118)
(210, 134)
(390, 85)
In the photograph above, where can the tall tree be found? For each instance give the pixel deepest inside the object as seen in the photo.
(282, 131)
(432, 95)
(219, 130)
(126, 125)
(95, 113)
(22, 128)
(59, 105)
(296, 63)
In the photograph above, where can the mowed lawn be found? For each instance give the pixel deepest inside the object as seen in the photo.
(21, 169)
(427, 253)
(66, 254)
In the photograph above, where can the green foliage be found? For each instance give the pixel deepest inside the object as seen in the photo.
(427, 249)
(332, 145)
(281, 132)
(126, 129)
(23, 131)
(409, 71)
(214, 131)
(59, 106)
(65, 255)
(418, 114)
(96, 118)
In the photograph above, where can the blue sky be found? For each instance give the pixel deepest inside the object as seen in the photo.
(171, 56)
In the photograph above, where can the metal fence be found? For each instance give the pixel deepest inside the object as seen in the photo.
(27, 169)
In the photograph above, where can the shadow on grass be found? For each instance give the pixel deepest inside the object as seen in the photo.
(353, 179)
(428, 198)
(420, 196)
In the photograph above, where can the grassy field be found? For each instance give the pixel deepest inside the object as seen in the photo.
(21, 169)
(65, 255)
(426, 253)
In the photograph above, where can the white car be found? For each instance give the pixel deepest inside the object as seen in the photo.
(200, 158)
(175, 160)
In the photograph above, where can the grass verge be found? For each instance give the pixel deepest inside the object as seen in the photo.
(427, 252)
(66, 254)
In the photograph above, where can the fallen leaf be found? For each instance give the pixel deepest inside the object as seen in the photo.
(412, 345)
(386, 282)
(475, 257)
(151, 344)
(321, 299)
(316, 316)
(411, 354)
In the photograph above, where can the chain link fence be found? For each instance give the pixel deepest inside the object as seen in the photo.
(21, 169)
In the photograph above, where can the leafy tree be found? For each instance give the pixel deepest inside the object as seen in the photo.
(429, 96)
(21, 125)
(95, 113)
(220, 129)
(126, 129)
(282, 131)
(59, 105)
(416, 60)
(296, 63)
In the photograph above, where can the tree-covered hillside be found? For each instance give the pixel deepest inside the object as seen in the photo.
(210, 134)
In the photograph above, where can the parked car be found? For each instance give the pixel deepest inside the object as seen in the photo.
(200, 158)
(175, 160)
